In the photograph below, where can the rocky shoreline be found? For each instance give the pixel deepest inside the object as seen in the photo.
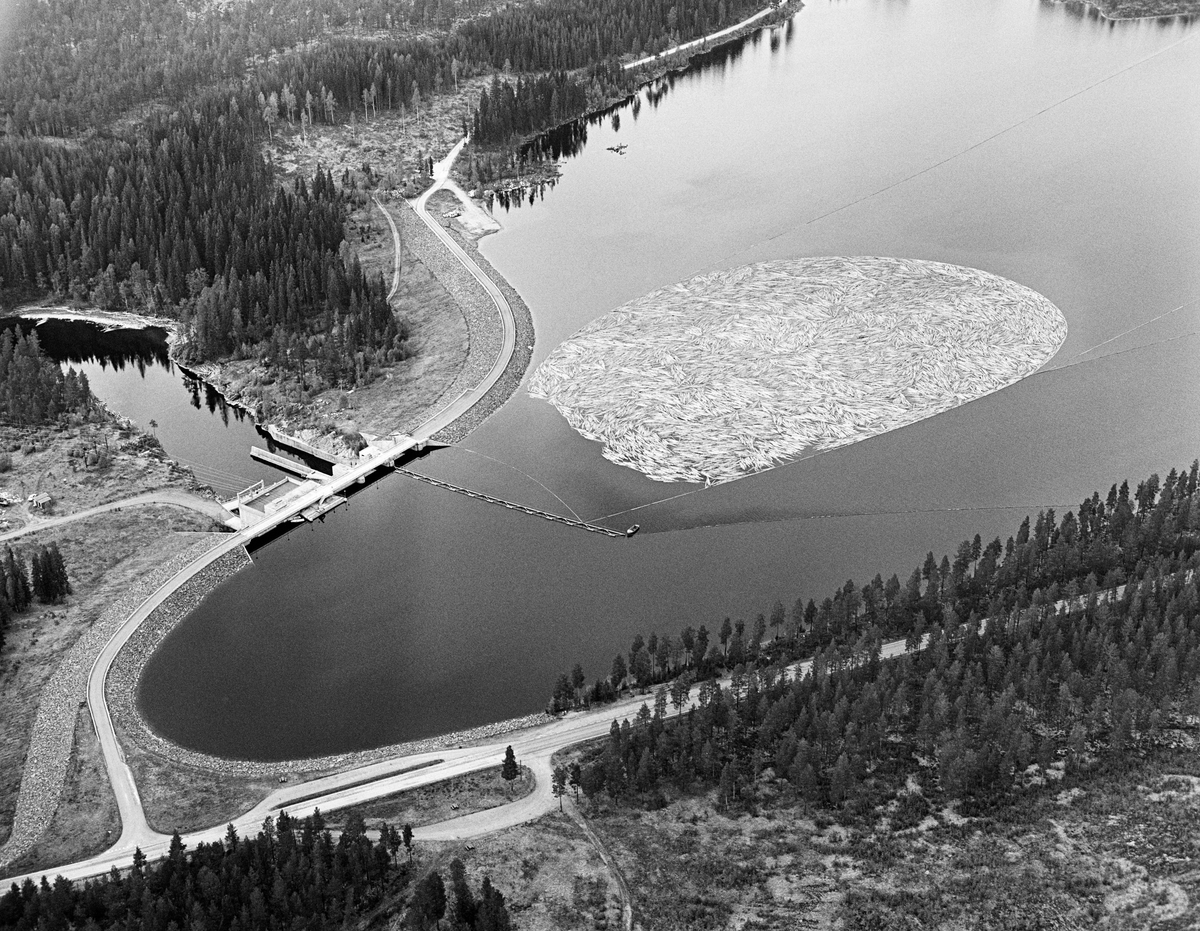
(484, 330)
(135, 728)
(121, 684)
(52, 738)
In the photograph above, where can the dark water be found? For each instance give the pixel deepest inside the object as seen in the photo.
(1027, 140)
(131, 372)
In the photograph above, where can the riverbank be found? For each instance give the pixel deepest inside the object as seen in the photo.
(42, 311)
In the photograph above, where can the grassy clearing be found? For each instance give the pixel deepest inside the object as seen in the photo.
(178, 797)
(103, 554)
(87, 821)
(42, 462)
(410, 391)
(453, 798)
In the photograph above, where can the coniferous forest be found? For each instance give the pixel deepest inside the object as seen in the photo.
(46, 580)
(1076, 640)
(33, 389)
(132, 172)
(292, 874)
(187, 216)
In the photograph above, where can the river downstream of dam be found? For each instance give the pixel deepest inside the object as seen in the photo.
(1030, 140)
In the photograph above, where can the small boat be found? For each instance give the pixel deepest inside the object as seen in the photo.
(619, 149)
(632, 530)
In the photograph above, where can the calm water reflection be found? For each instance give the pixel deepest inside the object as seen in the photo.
(131, 372)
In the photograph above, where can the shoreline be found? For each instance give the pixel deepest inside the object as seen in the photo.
(1096, 7)
(122, 320)
(652, 68)
(720, 37)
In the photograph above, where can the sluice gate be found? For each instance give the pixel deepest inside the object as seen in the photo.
(558, 518)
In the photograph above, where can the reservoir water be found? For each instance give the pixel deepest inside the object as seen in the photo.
(1030, 140)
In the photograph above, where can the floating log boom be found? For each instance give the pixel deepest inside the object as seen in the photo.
(558, 518)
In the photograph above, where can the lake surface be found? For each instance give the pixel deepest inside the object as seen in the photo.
(131, 372)
(1024, 139)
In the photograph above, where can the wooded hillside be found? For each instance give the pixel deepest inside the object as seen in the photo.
(1072, 641)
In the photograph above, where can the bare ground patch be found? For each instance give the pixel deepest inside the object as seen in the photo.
(179, 797)
(1110, 850)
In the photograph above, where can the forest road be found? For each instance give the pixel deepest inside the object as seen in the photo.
(534, 749)
(341, 790)
(387, 215)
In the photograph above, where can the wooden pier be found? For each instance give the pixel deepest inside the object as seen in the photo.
(557, 518)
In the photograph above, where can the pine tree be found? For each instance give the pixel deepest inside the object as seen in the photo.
(509, 769)
(37, 575)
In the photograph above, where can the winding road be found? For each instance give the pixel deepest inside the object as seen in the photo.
(340, 790)
(181, 499)
(534, 748)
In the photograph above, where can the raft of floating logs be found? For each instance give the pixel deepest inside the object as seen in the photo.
(557, 518)
(733, 372)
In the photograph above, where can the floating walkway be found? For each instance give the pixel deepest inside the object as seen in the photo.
(558, 518)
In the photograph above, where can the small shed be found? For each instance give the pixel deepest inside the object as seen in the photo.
(40, 500)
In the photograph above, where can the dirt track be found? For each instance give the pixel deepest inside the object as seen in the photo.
(177, 498)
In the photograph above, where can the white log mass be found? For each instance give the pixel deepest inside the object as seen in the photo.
(733, 372)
